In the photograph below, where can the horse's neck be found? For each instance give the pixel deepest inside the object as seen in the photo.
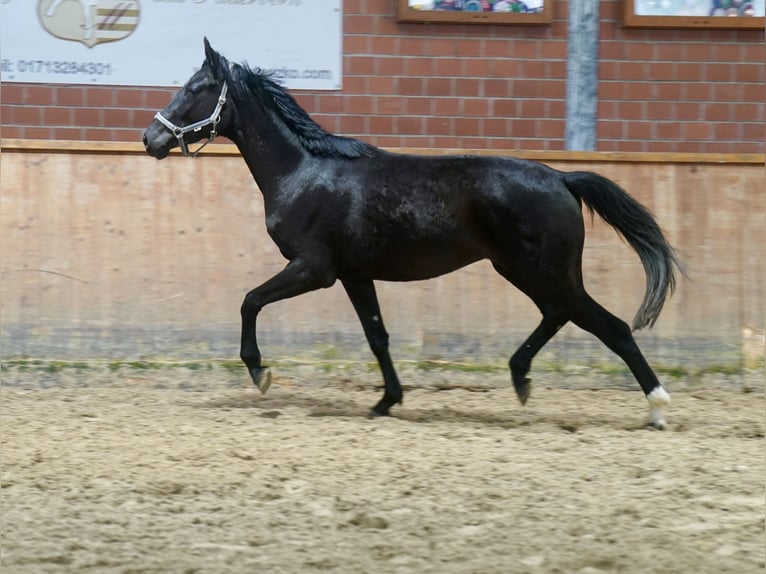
(269, 151)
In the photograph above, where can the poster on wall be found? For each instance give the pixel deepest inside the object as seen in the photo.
(159, 42)
(719, 8)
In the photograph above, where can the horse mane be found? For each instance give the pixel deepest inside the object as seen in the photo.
(255, 82)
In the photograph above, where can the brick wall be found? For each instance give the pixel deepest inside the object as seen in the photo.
(462, 86)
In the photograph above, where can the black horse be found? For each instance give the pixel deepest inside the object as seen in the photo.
(339, 208)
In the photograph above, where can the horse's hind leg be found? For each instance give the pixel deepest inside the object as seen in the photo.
(616, 335)
(365, 302)
(521, 361)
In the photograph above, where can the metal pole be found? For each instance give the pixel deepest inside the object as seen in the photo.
(582, 75)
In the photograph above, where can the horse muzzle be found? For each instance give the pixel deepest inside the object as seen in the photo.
(157, 140)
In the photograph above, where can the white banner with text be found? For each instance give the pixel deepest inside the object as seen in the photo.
(159, 42)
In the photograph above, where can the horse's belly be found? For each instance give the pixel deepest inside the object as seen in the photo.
(418, 262)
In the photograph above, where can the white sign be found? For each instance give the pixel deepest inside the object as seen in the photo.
(159, 42)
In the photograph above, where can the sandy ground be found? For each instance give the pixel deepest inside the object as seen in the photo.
(184, 470)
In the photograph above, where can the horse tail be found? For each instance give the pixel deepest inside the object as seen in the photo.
(637, 225)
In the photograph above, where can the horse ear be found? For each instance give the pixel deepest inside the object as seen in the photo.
(210, 54)
(213, 58)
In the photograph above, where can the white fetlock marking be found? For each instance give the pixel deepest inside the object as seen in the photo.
(657, 398)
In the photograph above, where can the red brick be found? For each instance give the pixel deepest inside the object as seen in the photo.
(718, 72)
(419, 106)
(439, 126)
(466, 126)
(353, 6)
(359, 65)
(689, 72)
(12, 131)
(754, 132)
(726, 131)
(639, 130)
(696, 131)
(330, 103)
(38, 133)
(384, 45)
(478, 68)
(117, 118)
(39, 95)
(381, 85)
(667, 52)
(418, 66)
(507, 68)
(494, 49)
(410, 46)
(747, 72)
(381, 125)
(100, 97)
(467, 87)
(158, 99)
(129, 98)
(12, 94)
(660, 111)
(686, 111)
(476, 107)
(69, 96)
(553, 49)
(22, 115)
(95, 134)
(88, 117)
(631, 110)
(440, 47)
(660, 71)
(639, 90)
(748, 112)
(439, 86)
(410, 125)
(353, 124)
(357, 24)
(532, 108)
(411, 86)
(700, 52)
(667, 91)
(143, 118)
(389, 105)
(359, 104)
(356, 44)
(753, 93)
(447, 106)
(505, 108)
(57, 116)
(496, 88)
(447, 67)
(495, 127)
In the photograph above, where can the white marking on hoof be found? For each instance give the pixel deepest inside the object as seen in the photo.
(265, 382)
(657, 398)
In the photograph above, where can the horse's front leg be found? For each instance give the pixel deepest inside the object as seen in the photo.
(365, 301)
(295, 279)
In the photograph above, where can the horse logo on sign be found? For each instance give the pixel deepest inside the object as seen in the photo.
(89, 21)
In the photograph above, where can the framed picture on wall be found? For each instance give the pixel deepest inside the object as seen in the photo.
(732, 14)
(523, 12)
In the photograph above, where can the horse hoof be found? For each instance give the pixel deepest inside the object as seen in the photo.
(261, 378)
(658, 425)
(523, 390)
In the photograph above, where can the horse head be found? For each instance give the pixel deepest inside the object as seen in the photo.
(197, 111)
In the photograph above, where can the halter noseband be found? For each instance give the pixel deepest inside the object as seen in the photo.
(181, 131)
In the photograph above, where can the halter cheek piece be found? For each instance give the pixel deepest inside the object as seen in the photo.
(181, 131)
